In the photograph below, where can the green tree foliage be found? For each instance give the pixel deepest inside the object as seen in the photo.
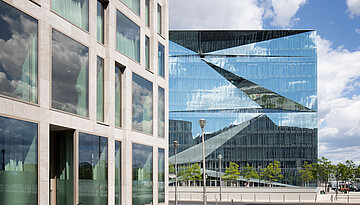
(231, 173)
(322, 171)
(272, 172)
(249, 173)
(193, 173)
(306, 173)
(171, 169)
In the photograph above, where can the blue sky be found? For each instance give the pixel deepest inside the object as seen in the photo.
(338, 27)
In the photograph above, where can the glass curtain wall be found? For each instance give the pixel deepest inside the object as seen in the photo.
(142, 174)
(127, 36)
(117, 172)
(147, 52)
(76, 11)
(161, 112)
(70, 74)
(161, 60)
(19, 162)
(133, 5)
(100, 22)
(100, 90)
(161, 175)
(93, 167)
(142, 104)
(159, 26)
(18, 54)
(117, 96)
(147, 13)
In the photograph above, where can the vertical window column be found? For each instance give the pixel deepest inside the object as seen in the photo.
(119, 69)
(147, 13)
(161, 112)
(117, 172)
(159, 19)
(100, 22)
(161, 175)
(147, 52)
(161, 60)
(100, 90)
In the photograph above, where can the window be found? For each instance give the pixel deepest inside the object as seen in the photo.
(161, 175)
(119, 70)
(70, 86)
(147, 52)
(19, 162)
(100, 90)
(159, 19)
(18, 54)
(117, 172)
(76, 11)
(100, 22)
(142, 104)
(142, 174)
(133, 5)
(147, 13)
(127, 36)
(161, 112)
(93, 167)
(161, 60)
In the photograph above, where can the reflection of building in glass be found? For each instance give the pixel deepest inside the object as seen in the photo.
(257, 91)
(82, 98)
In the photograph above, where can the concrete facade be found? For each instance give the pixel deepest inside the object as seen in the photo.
(45, 116)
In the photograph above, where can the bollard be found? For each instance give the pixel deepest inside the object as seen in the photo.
(315, 197)
(348, 198)
(269, 198)
(331, 199)
(299, 197)
(217, 202)
(232, 201)
(254, 197)
(241, 197)
(283, 197)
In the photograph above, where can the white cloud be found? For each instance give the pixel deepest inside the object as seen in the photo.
(353, 8)
(357, 30)
(214, 14)
(284, 12)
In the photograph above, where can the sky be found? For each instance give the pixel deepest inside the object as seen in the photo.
(337, 23)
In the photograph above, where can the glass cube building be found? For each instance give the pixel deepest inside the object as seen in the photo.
(257, 90)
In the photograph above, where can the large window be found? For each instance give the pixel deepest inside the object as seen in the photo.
(133, 4)
(127, 36)
(18, 54)
(142, 104)
(161, 175)
(147, 13)
(161, 60)
(93, 167)
(159, 19)
(76, 11)
(117, 172)
(142, 174)
(161, 112)
(147, 52)
(70, 73)
(100, 90)
(100, 22)
(18, 168)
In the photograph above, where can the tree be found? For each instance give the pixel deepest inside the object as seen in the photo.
(323, 169)
(171, 169)
(272, 172)
(306, 173)
(249, 173)
(193, 173)
(231, 173)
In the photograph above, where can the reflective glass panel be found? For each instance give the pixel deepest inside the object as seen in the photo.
(18, 54)
(142, 174)
(147, 13)
(161, 112)
(161, 60)
(159, 26)
(76, 11)
(70, 84)
(19, 162)
(100, 22)
(100, 89)
(127, 36)
(117, 96)
(147, 52)
(93, 167)
(117, 172)
(133, 5)
(142, 104)
(161, 175)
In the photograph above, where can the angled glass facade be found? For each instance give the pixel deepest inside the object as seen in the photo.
(257, 91)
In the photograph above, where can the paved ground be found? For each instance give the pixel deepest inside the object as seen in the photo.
(245, 203)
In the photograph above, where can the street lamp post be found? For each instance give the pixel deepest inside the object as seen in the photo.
(202, 123)
(220, 157)
(175, 146)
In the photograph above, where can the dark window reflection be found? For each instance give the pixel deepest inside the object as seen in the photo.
(142, 174)
(142, 104)
(161, 175)
(161, 60)
(117, 172)
(93, 166)
(70, 85)
(18, 158)
(127, 36)
(18, 54)
(161, 112)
